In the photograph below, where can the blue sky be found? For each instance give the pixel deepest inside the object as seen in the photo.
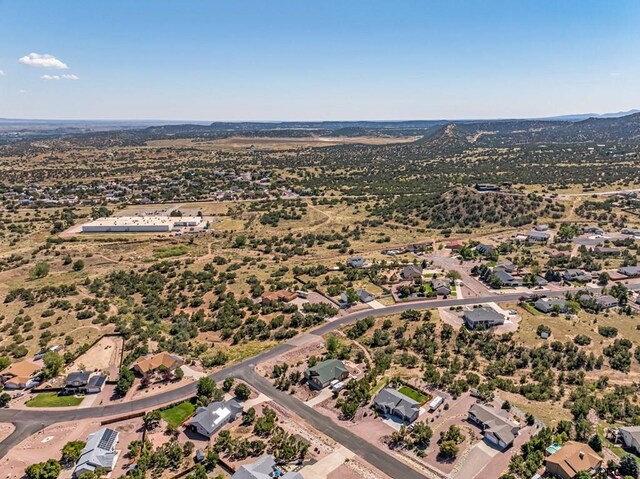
(317, 59)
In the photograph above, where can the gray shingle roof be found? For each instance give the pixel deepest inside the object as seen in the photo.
(99, 451)
(77, 379)
(215, 415)
(263, 468)
(630, 270)
(483, 314)
(546, 304)
(503, 276)
(495, 421)
(396, 402)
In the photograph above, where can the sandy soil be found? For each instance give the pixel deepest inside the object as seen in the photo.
(5, 430)
(44, 445)
(354, 469)
(244, 143)
(103, 356)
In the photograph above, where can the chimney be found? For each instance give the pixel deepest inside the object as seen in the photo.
(581, 455)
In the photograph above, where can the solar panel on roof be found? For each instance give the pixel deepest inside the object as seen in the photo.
(107, 440)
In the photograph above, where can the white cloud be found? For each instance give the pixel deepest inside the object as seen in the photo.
(60, 77)
(1, 73)
(22, 91)
(616, 74)
(43, 60)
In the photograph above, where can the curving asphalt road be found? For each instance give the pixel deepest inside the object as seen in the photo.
(29, 421)
(374, 455)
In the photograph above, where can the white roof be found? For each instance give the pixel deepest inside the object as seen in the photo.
(187, 219)
(133, 221)
(221, 414)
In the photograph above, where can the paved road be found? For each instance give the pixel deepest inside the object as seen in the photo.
(29, 421)
(373, 455)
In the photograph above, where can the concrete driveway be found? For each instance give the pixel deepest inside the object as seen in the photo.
(477, 459)
(323, 396)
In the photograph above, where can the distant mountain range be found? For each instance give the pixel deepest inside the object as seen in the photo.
(586, 116)
(101, 125)
(622, 127)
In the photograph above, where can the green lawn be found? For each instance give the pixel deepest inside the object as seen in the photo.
(178, 414)
(413, 394)
(529, 307)
(54, 400)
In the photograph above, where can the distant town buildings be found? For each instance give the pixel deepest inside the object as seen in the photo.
(139, 224)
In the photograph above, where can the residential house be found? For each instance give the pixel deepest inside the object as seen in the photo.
(82, 382)
(499, 430)
(99, 452)
(282, 296)
(506, 265)
(150, 364)
(264, 468)
(607, 301)
(76, 382)
(507, 279)
(482, 318)
(554, 253)
(95, 384)
(630, 271)
(455, 245)
(411, 272)
(343, 300)
(606, 251)
(392, 402)
(356, 262)
(572, 458)
(538, 236)
(486, 187)
(365, 296)
(549, 305)
(541, 227)
(630, 435)
(578, 275)
(321, 375)
(20, 375)
(541, 280)
(593, 229)
(207, 420)
(441, 286)
(485, 248)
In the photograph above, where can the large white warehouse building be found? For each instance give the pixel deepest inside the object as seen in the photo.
(139, 224)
